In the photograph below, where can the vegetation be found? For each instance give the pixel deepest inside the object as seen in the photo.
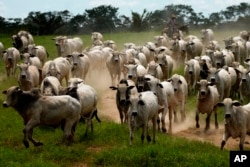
(109, 144)
(105, 18)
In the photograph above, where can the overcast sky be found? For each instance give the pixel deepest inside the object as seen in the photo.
(21, 8)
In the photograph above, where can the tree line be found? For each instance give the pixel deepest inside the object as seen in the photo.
(105, 18)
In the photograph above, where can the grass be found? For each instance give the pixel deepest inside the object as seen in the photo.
(109, 144)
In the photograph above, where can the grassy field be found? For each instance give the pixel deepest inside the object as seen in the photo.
(109, 144)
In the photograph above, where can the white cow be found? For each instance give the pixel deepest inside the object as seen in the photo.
(32, 60)
(59, 67)
(115, 66)
(237, 121)
(181, 91)
(28, 77)
(142, 108)
(38, 51)
(87, 97)
(207, 36)
(192, 74)
(11, 57)
(80, 65)
(166, 100)
(50, 86)
(68, 45)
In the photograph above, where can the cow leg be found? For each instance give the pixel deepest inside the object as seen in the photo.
(121, 115)
(207, 122)
(144, 129)
(197, 119)
(158, 122)
(242, 139)
(87, 127)
(170, 112)
(28, 131)
(131, 133)
(215, 118)
(68, 135)
(25, 138)
(183, 114)
(154, 128)
(163, 115)
(224, 140)
(32, 140)
(148, 136)
(175, 114)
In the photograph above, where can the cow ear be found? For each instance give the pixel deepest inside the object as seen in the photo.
(198, 83)
(141, 102)
(131, 87)
(210, 83)
(236, 103)
(4, 92)
(220, 104)
(113, 88)
(160, 85)
(169, 80)
(128, 102)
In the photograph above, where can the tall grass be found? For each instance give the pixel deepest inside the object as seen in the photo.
(109, 144)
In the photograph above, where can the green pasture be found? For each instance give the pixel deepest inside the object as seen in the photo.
(109, 144)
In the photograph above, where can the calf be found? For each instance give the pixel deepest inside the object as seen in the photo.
(237, 121)
(142, 108)
(207, 100)
(36, 110)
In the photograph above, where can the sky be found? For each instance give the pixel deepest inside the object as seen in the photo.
(21, 8)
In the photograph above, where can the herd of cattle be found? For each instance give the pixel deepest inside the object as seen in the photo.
(142, 76)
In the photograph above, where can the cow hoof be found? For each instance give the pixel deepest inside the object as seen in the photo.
(148, 138)
(164, 130)
(197, 126)
(38, 144)
(26, 144)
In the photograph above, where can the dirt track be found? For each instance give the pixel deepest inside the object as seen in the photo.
(107, 109)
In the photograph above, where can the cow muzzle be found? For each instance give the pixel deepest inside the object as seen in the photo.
(134, 114)
(227, 115)
(5, 104)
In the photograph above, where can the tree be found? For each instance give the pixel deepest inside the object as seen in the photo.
(140, 22)
(101, 18)
(44, 23)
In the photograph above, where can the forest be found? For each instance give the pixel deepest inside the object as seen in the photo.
(106, 19)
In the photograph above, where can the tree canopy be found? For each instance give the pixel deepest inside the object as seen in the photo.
(105, 18)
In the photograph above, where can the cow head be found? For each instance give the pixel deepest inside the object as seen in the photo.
(11, 95)
(228, 105)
